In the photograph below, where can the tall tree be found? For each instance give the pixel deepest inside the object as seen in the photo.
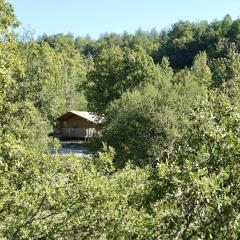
(115, 71)
(144, 124)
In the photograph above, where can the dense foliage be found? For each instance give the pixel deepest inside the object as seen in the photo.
(169, 166)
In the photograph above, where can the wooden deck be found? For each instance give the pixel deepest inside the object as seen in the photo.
(78, 132)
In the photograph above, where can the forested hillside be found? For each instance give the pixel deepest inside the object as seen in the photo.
(168, 163)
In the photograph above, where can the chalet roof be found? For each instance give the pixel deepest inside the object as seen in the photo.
(87, 115)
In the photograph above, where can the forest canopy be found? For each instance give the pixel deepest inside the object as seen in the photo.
(167, 162)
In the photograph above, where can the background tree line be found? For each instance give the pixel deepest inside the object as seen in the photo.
(169, 166)
(181, 42)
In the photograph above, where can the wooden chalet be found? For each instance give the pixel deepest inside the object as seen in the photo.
(75, 124)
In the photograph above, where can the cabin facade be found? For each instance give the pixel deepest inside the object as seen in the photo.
(75, 124)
